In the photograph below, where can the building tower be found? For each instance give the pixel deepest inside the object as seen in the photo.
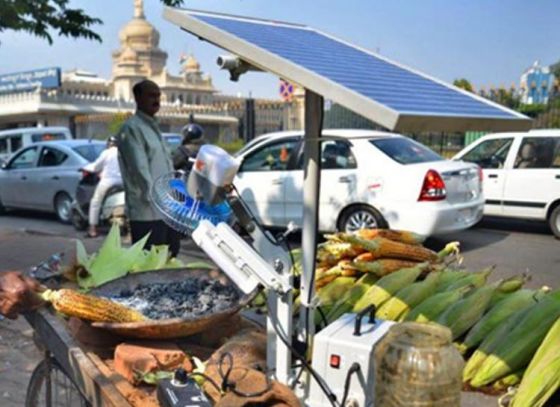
(139, 55)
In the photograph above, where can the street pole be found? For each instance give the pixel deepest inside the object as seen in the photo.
(311, 188)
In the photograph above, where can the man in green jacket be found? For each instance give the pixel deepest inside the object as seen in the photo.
(143, 157)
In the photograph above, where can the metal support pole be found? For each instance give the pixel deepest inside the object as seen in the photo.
(311, 186)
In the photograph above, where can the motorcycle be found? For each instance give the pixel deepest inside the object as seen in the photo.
(112, 209)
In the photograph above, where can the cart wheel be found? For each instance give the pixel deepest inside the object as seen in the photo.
(49, 381)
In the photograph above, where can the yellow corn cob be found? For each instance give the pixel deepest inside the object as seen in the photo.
(330, 253)
(348, 269)
(510, 380)
(385, 287)
(332, 292)
(89, 307)
(542, 377)
(344, 268)
(349, 298)
(400, 304)
(516, 349)
(324, 280)
(382, 247)
(382, 267)
(329, 295)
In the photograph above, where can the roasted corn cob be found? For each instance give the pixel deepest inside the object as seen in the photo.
(542, 377)
(381, 247)
(514, 351)
(395, 235)
(97, 309)
(400, 304)
(382, 267)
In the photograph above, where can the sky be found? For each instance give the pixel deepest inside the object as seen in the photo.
(488, 42)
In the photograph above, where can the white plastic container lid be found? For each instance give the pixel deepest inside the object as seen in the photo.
(216, 165)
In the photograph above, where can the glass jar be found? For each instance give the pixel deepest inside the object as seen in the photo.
(417, 365)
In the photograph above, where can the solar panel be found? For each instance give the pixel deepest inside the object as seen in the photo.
(386, 92)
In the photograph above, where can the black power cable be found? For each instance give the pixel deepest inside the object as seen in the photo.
(355, 368)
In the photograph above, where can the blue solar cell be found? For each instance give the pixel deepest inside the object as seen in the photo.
(398, 88)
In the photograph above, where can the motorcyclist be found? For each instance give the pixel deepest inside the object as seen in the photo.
(193, 139)
(18, 294)
(107, 166)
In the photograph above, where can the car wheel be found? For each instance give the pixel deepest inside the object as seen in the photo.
(361, 217)
(78, 222)
(63, 207)
(554, 222)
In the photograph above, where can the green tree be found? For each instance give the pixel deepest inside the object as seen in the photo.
(44, 17)
(507, 98)
(463, 84)
(533, 110)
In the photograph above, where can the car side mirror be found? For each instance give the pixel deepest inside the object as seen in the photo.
(4, 166)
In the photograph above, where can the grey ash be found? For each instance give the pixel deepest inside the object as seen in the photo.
(190, 298)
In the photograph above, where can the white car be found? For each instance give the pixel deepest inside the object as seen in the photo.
(368, 179)
(521, 174)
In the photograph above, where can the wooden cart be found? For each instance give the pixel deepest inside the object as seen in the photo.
(91, 369)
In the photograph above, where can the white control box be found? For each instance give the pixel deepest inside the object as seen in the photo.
(336, 348)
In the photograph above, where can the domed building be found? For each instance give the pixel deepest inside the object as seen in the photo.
(92, 106)
(139, 57)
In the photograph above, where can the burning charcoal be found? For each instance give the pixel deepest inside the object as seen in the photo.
(189, 298)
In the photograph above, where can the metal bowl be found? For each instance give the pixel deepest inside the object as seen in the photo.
(167, 328)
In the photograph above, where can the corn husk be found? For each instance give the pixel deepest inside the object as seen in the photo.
(465, 313)
(431, 308)
(347, 301)
(400, 304)
(516, 349)
(476, 279)
(500, 312)
(386, 286)
(542, 377)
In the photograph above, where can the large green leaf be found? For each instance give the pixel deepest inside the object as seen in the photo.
(112, 261)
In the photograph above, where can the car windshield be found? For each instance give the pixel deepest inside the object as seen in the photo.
(249, 145)
(89, 151)
(405, 151)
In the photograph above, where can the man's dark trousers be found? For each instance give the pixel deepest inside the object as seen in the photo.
(160, 233)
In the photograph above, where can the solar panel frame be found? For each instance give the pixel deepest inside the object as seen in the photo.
(196, 23)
